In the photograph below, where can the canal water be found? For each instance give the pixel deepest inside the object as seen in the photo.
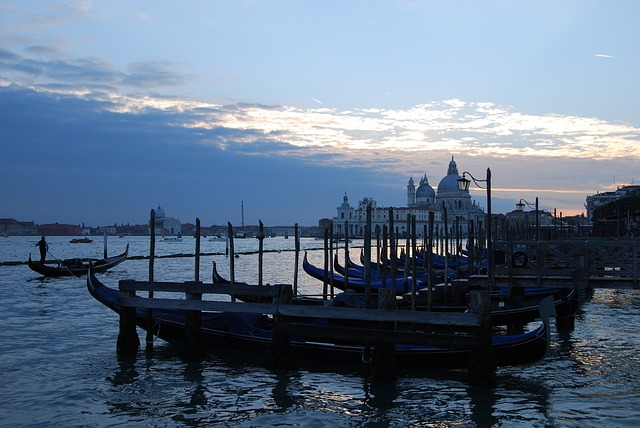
(59, 367)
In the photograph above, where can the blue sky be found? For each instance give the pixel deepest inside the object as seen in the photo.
(109, 108)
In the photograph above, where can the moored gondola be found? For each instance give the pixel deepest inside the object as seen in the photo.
(503, 312)
(251, 332)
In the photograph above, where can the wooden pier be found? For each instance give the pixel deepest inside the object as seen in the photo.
(368, 327)
(588, 263)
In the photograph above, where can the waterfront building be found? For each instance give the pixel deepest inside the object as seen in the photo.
(10, 226)
(600, 199)
(460, 209)
(167, 225)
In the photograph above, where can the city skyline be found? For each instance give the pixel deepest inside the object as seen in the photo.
(109, 109)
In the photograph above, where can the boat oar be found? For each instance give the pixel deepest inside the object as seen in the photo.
(60, 263)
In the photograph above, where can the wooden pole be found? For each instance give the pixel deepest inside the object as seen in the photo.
(260, 250)
(331, 237)
(232, 253)
(346, 253)
(297, 258)
(128, 342)
(430, 262)
(192, 339)
(152, 256)
(325, 276)
(392, 243)
(406, 256)
(367, 258)
(471, 244)
(425, 242)
(491, 255)
(446, 254)
(279, 355)
(413, 259)
(482, 362)
(383, 256)
(458, 233)
(197, 258)
(378, 250)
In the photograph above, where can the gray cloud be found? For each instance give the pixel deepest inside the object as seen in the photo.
(46, 68)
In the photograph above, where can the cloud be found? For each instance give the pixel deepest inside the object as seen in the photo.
(125, 142)
(455, 126)
(604, 56)
(44, 67)
(153, 74)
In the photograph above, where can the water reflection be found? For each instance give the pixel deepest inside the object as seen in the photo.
(483, 401)
(126, 373)
(193, 373)
(381, 396)
(282, 395)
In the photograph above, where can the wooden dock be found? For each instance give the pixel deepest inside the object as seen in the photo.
(588, 263)
(367, 327)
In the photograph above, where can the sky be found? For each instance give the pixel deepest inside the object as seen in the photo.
(109, 109)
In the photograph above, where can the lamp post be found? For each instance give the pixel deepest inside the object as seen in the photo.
(463, 184)
(520, 207)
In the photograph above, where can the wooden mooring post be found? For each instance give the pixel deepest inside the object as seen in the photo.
(482, 363)
(192, 346)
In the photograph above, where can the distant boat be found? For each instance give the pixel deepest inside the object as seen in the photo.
(81, 240)
(173, 238)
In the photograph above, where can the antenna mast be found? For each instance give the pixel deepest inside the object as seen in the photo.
(242, 206)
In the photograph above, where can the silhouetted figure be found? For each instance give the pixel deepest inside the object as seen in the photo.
(43, 247)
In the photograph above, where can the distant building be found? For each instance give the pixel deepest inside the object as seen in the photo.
(59, 230)
(600, 199)
(9, 226)
(523, 224)
(421, 201)
(167, 225)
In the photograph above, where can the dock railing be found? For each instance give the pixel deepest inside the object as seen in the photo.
(592, 262)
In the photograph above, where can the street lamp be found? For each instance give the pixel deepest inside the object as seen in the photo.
(463, 184)
(520, 207)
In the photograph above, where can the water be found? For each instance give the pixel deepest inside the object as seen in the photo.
(60, 368)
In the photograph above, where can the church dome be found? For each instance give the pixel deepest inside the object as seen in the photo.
(425, 190)
(450, 182)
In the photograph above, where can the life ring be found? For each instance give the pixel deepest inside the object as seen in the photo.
(519, 259)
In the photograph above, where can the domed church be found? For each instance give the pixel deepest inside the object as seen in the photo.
(420, 202)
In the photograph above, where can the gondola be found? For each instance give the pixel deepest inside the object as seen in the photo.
(566, 301)
(252, 333)
(357, 271)
(77, 267)
(358, 284)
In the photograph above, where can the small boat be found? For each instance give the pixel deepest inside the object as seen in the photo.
(76, 267)
(81, 241)
(253, 332)
(173, 238)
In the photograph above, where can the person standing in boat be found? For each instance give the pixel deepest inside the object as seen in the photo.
(43, 247)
